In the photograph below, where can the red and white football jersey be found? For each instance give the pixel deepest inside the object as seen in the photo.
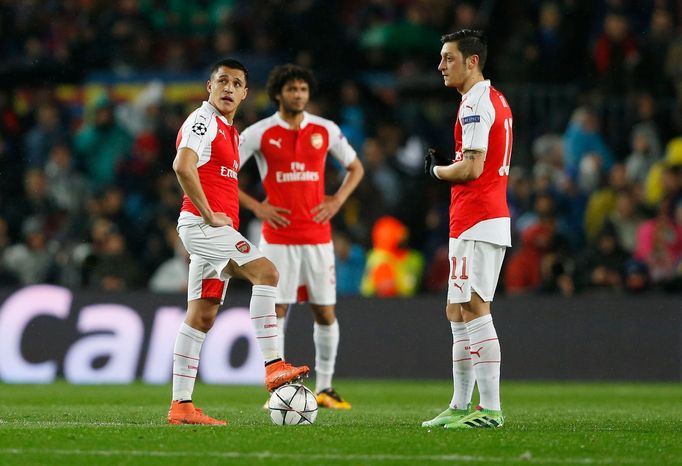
(478, 208)
(291, 164)
(216, 142)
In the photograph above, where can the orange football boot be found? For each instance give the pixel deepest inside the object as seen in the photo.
(281, 372)
(186, 413)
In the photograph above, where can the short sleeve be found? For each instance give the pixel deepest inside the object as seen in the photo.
(339, 146)
(476, 119)
(249, 143)
(197, 132)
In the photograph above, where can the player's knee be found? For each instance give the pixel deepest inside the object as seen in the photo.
(268, 275)
(202, 322)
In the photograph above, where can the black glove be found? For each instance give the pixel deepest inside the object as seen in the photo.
(433, 158)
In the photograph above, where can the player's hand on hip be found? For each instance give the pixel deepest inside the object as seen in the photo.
(432, 159)
(326, 209)
(272, 214)
(219, 219)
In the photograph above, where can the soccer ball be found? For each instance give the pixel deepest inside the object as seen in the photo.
(292, 404)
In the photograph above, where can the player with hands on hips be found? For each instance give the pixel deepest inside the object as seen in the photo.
(479, 229)
(290, 149)
(206, 165)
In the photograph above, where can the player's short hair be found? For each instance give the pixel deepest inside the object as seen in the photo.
(282, 74)
(469, 42)
(229, 63)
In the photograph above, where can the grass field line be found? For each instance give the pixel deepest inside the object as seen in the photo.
(352, 458)
(66, 424)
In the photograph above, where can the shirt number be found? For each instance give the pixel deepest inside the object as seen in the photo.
(504, 169)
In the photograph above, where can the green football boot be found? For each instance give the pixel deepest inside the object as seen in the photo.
(448, 416)
(479, 419)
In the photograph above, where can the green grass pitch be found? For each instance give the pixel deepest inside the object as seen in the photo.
(547, 423)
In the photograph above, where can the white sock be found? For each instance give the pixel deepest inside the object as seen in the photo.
(326, 338)
(186, 361)
(463, 379)
(281, 329)
(486, 358)
(264, 320)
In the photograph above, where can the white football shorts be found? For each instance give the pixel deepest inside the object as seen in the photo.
(210, 249)
(306, 272)
(474, 266)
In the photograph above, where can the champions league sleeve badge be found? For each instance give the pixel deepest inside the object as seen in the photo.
(199, 129)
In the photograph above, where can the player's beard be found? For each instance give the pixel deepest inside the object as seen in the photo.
(289, 110)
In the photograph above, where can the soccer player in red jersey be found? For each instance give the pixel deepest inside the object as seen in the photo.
(290, 148)
(206, 165)
(479, 228)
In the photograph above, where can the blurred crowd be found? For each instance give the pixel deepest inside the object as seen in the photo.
(88, 197)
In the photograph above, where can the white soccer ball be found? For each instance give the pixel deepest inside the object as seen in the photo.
(292, 404)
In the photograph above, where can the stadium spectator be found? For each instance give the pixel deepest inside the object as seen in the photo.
(172, 275)
(603, 264)
(35, 201)
(664, 178)
(586, 154)
(46, 133)
(659, 244)
(625, 219)
(350, 264)
(391, 268)
(654, 48)
(602, 201)
(382, 175)
(68, 189)
(114, 269)
(101, 145)
(31, 261)
(547, 50)
(645, 152)
(616, 55)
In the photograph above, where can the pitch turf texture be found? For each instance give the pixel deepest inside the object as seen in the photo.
(547, 423)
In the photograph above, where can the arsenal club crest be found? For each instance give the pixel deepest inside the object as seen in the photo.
(316, 140)
(243, 247)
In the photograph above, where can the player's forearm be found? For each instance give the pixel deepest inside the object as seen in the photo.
(467, 169)
(188, 177)
(355, 172)
(248, 202)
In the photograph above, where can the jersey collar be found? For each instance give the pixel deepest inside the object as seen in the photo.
(208, 106)
(284, 124)
(479, 85)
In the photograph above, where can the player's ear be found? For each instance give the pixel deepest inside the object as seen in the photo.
(208, 86)
(474, 60)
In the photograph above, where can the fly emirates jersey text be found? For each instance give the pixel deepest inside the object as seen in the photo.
(291, 163)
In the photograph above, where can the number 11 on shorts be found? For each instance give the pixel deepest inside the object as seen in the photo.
(453, 275)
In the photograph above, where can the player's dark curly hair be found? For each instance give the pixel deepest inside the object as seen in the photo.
(469, 42)
(229, 63)
(282, 74)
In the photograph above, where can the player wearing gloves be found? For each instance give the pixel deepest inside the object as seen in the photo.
(479, 229)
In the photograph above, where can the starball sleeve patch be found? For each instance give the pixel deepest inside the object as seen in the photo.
(199, 129)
